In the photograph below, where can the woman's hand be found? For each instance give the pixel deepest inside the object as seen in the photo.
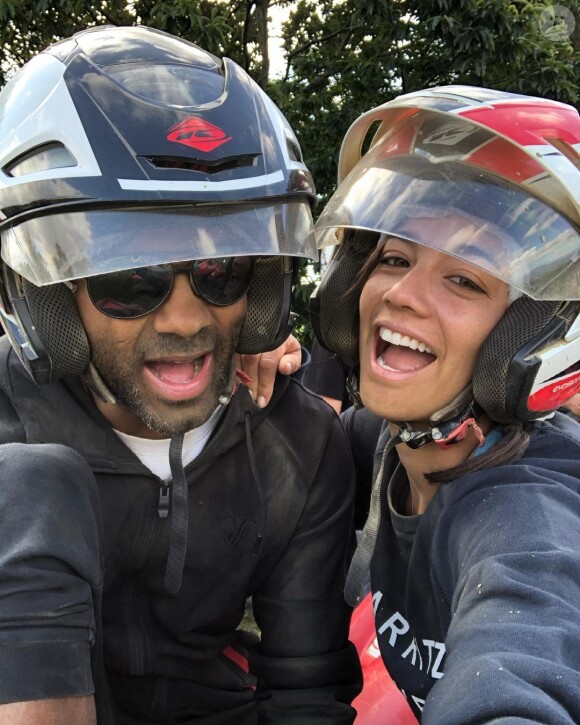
(261, 369)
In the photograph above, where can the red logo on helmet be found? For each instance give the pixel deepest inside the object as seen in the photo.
(556, 394)
(198, 134)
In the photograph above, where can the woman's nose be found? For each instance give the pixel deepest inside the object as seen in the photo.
(411, 290)
(183, 312)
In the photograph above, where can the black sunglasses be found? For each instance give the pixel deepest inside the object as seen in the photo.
(136, 292)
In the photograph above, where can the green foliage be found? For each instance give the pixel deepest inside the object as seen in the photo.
(308, 278)
(227, 28)
(28, 27)
(347, 57)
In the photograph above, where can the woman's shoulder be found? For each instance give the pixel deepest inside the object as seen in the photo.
(546, 478)
(560, 426)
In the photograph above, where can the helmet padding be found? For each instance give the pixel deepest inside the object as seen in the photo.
(57, 322)
(497, 386)
(333, 309)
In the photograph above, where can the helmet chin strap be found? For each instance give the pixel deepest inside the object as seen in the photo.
(448, 425)
(97, 385)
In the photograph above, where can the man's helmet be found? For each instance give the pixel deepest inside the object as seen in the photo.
(510, 164)
(127, 147)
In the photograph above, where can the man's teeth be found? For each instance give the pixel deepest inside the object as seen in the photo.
(395, 338)
(197, 363)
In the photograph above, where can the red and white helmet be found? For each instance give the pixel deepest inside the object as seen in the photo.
(509, 162)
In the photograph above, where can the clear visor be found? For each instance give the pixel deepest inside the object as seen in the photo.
(73, 245)
(509, 234)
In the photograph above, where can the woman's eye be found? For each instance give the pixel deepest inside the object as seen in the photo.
(392, 261)
(466, 283)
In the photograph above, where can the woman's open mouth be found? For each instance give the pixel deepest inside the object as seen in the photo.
(401, 353)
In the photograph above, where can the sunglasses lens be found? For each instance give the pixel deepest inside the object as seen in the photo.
(222, 280)
(131, 292)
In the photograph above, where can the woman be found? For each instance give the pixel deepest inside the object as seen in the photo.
(455, 294)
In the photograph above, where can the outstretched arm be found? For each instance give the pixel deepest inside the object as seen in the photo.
(49, 583)
(64, 711)
(512, 645)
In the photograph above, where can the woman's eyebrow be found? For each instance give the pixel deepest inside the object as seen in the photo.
(397, 238)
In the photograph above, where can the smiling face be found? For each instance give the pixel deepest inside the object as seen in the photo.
(423, 318)
(167, 369)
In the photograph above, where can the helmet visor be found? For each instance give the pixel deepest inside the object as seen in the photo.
(508, 233)
(79, 244)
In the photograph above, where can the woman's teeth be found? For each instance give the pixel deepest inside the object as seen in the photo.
(395, 338)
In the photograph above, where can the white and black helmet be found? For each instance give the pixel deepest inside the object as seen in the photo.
(507, 161)
(127, 147)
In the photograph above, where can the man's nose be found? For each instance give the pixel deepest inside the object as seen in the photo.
(183, 312)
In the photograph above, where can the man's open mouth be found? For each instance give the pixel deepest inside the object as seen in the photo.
(401, 352)
(178, 371)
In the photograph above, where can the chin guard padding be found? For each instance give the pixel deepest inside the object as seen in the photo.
(54, 315)
(267, 322)
(501, 379)
(334, 308)
(454, 408)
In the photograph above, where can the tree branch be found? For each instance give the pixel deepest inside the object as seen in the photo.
(310, 43)
(245, 31)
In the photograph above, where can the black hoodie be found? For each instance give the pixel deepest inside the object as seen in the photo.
(268, 515)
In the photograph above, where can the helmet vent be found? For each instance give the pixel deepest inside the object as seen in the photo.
(294, 151)
(52, 155)
(205, 167)
(371, 134)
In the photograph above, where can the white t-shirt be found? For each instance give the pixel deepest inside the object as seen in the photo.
(155, 453)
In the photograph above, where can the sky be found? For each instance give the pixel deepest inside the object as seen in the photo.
(277, 64)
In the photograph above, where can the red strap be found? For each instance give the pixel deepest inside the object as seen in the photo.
(237, 657)
(460, 432)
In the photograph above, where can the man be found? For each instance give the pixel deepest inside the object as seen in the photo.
(154, 205)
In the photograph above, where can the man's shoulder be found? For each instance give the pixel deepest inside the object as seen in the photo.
(540, 486)
(295, 402)
(9, 365)
(303, 419)
(48, 413)
(11, 429)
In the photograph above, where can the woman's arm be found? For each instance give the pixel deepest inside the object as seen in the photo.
(513, 644)
(262, 369)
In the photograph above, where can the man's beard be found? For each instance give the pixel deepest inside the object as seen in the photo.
(120, 375)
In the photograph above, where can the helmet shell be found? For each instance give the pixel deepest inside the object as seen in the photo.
(122, 116)
(533, 142)
(512, 160)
